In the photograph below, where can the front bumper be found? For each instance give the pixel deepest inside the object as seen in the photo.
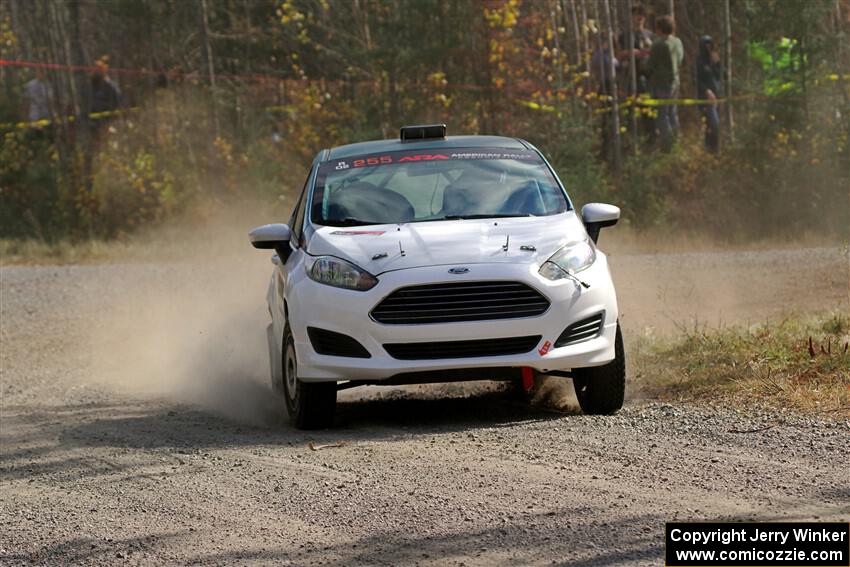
(345, 311)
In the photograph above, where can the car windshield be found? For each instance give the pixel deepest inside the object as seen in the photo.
(420, 186)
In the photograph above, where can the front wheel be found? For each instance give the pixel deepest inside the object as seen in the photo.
(601, 389)
(310, 405)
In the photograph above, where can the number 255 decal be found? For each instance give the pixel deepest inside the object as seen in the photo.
(372, 161)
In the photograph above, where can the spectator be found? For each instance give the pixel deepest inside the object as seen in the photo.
(161, 81)
(678, 52)
(105, 94)
(38, 96)
(641, 44)
(600, 67)
(662, 80)
(708, 73)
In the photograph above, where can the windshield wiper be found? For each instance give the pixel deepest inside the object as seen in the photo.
(485, 216)
(350, 221)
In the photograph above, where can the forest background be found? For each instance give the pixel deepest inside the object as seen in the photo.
(227, 101)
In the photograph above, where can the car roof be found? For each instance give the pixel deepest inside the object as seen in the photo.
(380, 146)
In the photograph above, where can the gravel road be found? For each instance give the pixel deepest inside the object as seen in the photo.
(136, 427)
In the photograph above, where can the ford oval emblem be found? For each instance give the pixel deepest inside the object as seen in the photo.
(458, 270)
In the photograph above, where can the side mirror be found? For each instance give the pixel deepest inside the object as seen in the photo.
(597, 216)
(272, 237)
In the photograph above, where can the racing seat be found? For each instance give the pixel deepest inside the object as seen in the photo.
(478, 191)
(368, 202)
(458, 200)
(524, 199)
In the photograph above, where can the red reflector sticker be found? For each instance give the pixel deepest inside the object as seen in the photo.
(545, 348)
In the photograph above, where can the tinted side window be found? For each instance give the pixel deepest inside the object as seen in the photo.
(296, 223)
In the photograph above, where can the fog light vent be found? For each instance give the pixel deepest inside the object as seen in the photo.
(336, 344)
(581, 331)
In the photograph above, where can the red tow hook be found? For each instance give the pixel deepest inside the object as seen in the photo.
(527, 378)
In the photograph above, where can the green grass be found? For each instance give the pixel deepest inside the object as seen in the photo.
(798, 363)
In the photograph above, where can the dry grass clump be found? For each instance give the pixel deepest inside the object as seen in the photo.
(33, 251)
(798, 363)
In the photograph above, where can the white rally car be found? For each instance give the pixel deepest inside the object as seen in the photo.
(437, 259)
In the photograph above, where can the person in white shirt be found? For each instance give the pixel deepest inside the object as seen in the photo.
(38, 96)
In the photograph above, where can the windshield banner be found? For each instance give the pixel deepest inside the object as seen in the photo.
(425, 156)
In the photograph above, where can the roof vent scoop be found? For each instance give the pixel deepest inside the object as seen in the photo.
(423, 132)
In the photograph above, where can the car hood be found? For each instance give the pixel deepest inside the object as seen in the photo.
(383, 248)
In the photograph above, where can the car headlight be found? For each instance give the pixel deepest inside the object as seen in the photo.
(339, 273)
(571, 259)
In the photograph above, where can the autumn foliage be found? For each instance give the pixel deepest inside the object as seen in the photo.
(225, 99)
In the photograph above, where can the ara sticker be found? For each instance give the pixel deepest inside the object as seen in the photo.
(423, 157)
(358, 232)
(545, 348)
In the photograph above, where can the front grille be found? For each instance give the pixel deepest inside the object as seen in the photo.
(462, 349)
(581, 331)
(336, 344)
(461, 301)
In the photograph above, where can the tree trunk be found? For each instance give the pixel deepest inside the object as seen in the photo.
(727, 32)
(209, 62)
(632, 78)
(616, 145)
(85, 137)
(559, 72)
(586, 44)
(577, 31)
(803, 46)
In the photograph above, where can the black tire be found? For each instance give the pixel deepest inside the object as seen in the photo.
(310, 405)
(601, 390)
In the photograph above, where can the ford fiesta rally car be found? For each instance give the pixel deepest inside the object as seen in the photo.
(436, 259)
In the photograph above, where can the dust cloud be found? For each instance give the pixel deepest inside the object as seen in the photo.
(191, 328)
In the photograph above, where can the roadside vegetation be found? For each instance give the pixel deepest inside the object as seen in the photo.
(220, 103)
(797, 363)
(218, 227)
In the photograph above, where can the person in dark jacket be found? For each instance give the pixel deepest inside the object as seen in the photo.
(708, 73)
(105, 94)
(662, 68)
(104, 99)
